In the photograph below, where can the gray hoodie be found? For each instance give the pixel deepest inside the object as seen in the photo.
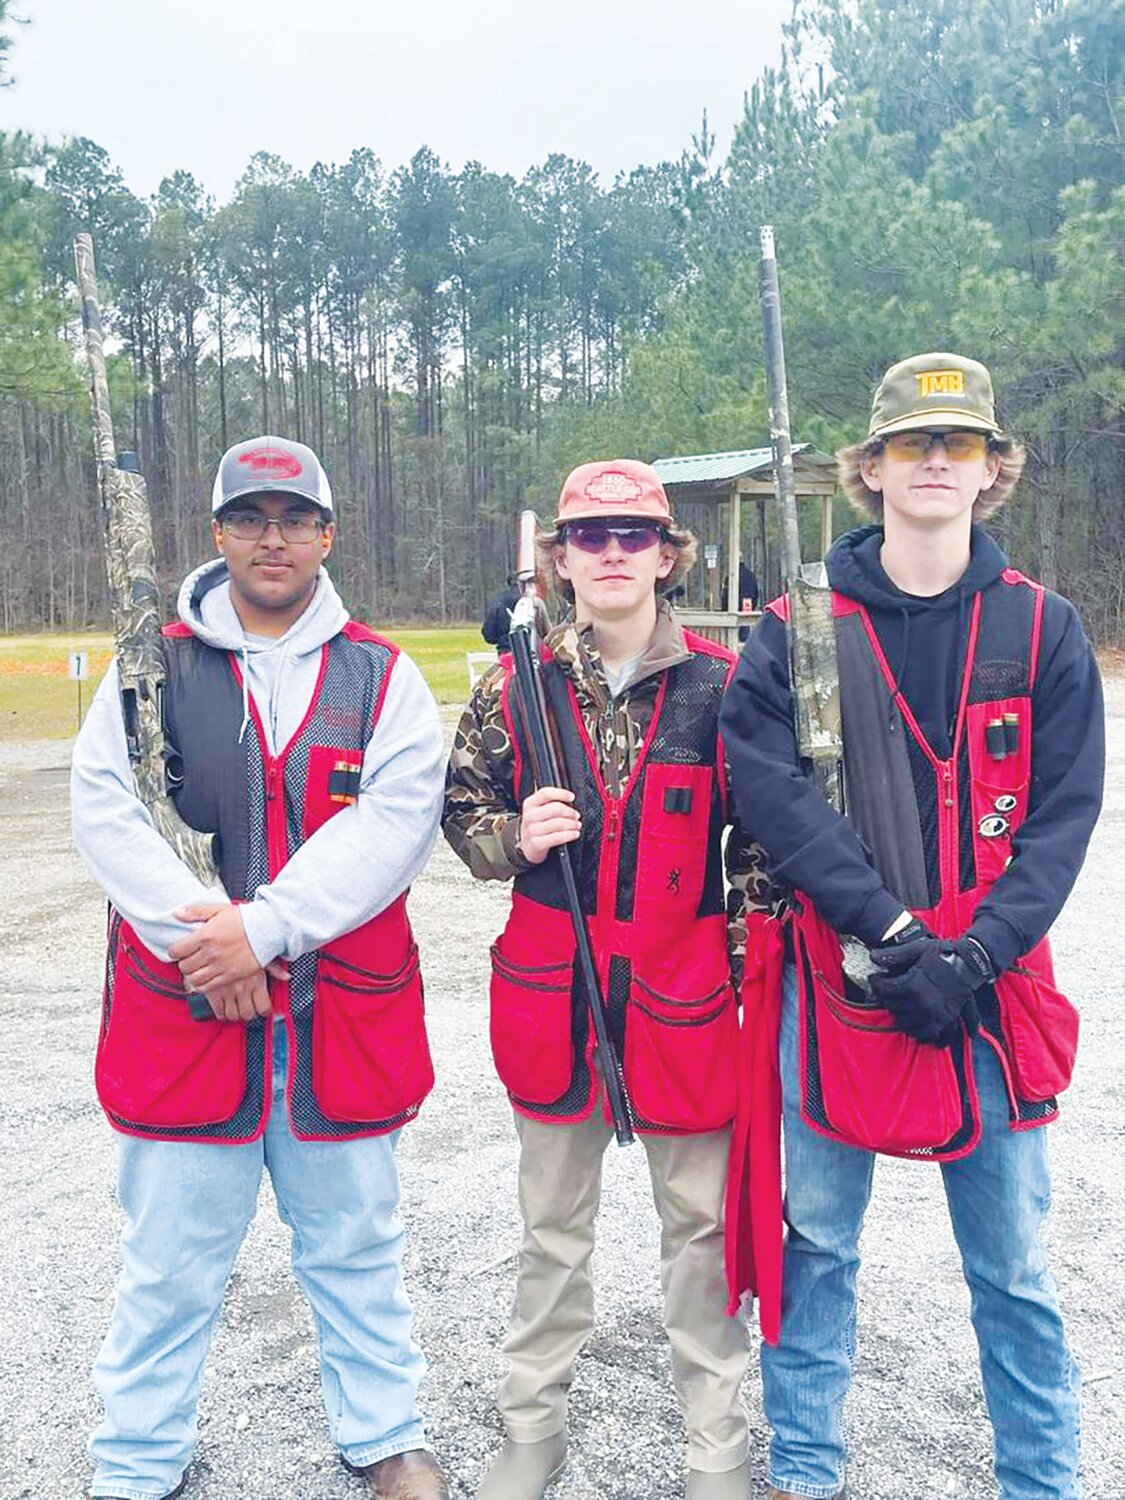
(348, 871)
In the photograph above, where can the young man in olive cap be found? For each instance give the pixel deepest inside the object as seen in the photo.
(312, 747)
(971, 723)
(635, 700)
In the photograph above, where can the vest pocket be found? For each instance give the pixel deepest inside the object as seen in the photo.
(672, 856)
(1000, 781)
(681, 1057)
(332, 783)
(371, 1060)
(156, 1066)
(880, 1089)
(530, 1027)
(1041, 1028)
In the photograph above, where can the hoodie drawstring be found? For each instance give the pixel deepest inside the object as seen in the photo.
(283, 657)
(959, 657)
(245, 693)
(275, 692)
(901, 668)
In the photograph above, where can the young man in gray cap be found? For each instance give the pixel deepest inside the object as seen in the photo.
(971, 726)
(312, 747)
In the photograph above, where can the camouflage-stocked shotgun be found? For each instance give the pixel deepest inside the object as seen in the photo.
(813, 665)
(135, 603)
(812, 632)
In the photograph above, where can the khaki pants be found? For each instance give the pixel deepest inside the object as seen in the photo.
(559, 1187)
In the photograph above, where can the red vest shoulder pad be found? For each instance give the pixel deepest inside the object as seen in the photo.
(356, 631)
(1013, 575)
(841, 605)
(701, 646)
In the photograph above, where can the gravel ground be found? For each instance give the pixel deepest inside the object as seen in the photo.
(916, 1416)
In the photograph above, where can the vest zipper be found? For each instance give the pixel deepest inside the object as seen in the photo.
(608, 865)
(947, 845)
(277, 852)
(614, 777)
(276, 842)
(607, 880)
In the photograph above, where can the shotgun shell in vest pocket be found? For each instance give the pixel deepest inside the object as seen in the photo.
(1012, 733)
(343, 782)
(677, 799)
(995, 740)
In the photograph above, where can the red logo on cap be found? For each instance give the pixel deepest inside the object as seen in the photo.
(612, 487)
(271, 461)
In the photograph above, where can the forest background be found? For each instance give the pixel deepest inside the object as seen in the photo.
(940, 174)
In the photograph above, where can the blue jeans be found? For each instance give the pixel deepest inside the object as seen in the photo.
(998, 1197)
(188, 1207)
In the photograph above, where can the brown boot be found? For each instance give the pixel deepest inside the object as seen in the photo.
(414, 1475)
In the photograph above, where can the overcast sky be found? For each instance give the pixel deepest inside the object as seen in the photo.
(203, 84)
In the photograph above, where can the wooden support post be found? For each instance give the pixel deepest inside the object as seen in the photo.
(734, 549)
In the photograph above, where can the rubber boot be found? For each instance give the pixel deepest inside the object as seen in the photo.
(522, 1471)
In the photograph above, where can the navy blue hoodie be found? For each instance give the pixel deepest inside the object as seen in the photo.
(809, 845)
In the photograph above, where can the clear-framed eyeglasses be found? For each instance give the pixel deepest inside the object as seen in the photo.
(251, 526)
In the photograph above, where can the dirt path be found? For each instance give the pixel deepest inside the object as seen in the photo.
(916, 1415)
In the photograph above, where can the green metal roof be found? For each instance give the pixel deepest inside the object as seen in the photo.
(714, 468)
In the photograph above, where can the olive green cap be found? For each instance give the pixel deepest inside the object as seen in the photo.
(934, 390)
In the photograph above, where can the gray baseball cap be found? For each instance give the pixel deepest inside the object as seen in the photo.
(270, 465)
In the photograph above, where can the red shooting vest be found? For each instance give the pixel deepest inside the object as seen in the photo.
(950, 832)
(864, 1082)
(649, 873)
(359, 1062)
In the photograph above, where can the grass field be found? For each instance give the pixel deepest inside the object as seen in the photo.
(38, 701)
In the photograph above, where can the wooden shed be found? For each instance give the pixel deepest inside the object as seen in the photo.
(729, 501)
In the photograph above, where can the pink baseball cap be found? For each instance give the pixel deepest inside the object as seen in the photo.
(613, 487)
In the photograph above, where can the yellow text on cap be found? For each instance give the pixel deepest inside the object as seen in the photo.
(941, 383)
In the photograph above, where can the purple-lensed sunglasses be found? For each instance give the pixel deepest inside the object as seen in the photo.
(631, 536)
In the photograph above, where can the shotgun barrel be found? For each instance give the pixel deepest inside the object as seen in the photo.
(546, 771)
(135, 604)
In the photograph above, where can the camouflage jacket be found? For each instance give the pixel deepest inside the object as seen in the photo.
(481, 819)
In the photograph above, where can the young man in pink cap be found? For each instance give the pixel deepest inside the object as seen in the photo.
(635, 701)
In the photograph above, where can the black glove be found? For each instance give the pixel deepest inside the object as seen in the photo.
(899, 951)
(930, 984)
(857, 959)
